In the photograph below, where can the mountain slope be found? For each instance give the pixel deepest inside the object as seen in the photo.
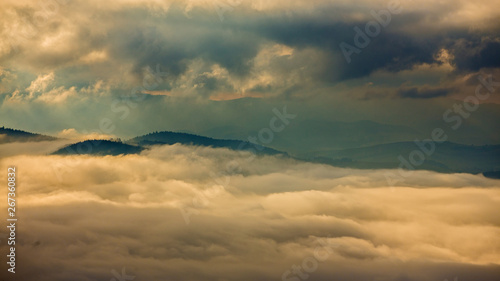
(99, 147)
(12, 135)
(190, 139)
(323, 135)
(446, 157)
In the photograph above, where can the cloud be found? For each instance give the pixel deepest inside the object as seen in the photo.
(91, 215)
(473, 55)
(425, 92)
(40, 84)
(31, 148)
(133, 35)
(73, 134)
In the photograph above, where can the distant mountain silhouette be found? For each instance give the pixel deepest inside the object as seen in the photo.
(166, 137)
(447, 157)
(492, 174)
(137, 144)
(324, 135)
(12, 135)
(99, 147)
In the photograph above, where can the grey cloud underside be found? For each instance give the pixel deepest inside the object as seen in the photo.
(235, 45)
(173, 47)
(472, 55)
(394, 49)
(423, 93)
(174, 40)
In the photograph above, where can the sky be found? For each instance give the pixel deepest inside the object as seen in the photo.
(338, 74)
(126, 68)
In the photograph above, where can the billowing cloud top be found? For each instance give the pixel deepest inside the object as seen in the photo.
(184, 213)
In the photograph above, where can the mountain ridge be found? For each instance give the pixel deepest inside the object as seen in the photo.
(99, 147)
(169, 137)
(8, 135)
(447, 157)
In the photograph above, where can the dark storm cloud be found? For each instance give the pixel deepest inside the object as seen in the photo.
(472, 54)
(391, 51)
(235, 46)
(394, 49)
(174, 41)
(137, 37)
(424, 92)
